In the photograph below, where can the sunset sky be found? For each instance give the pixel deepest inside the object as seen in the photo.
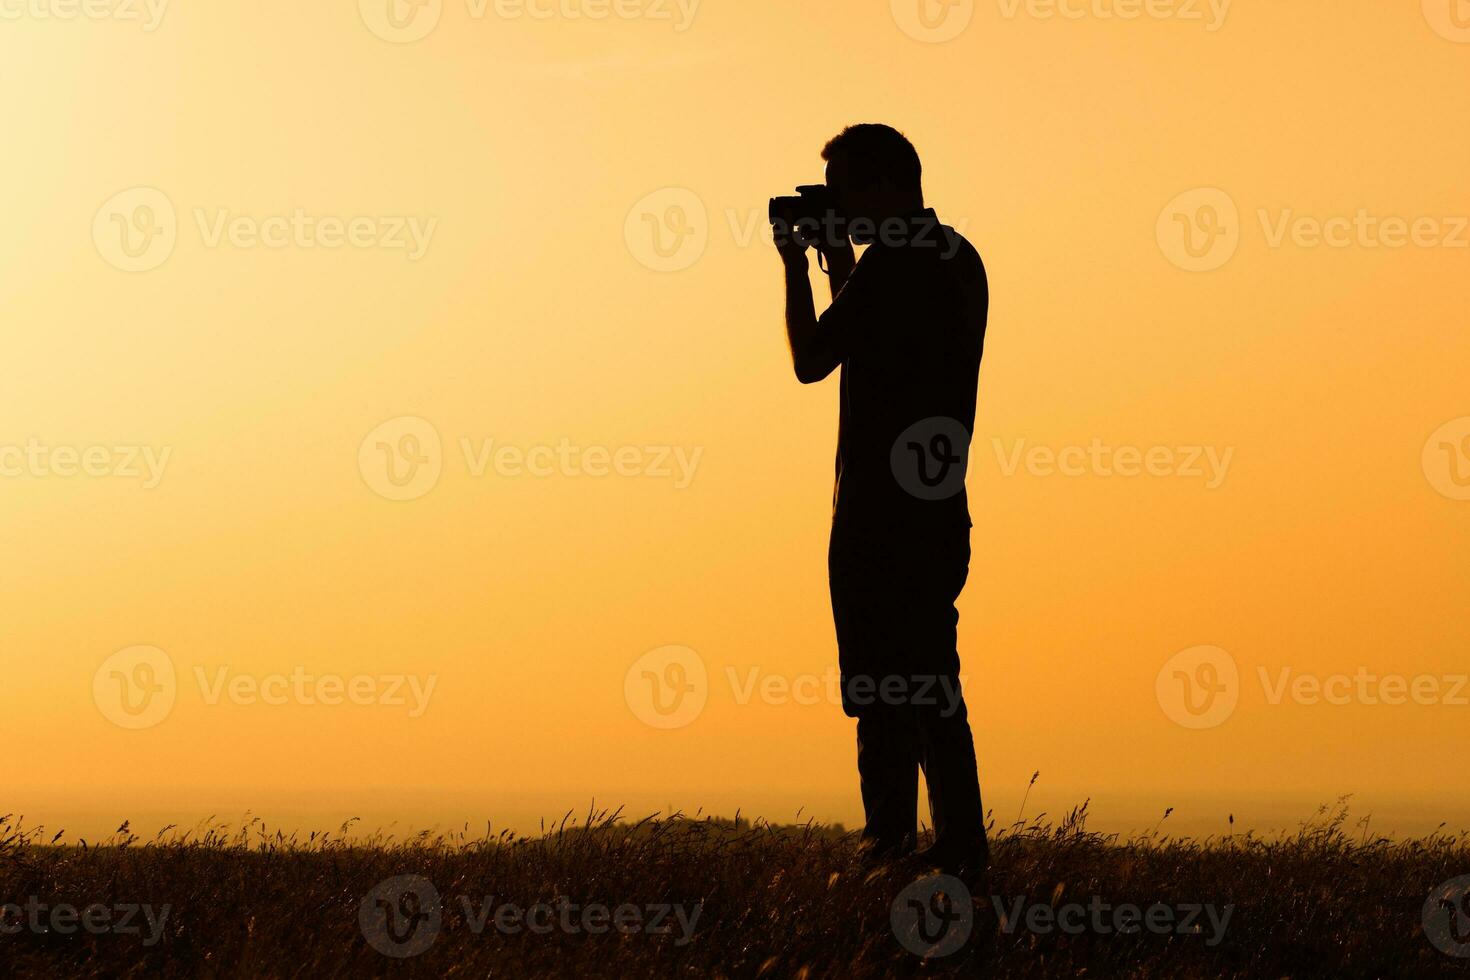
(431, 357)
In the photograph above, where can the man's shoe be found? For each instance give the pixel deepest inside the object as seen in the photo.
(962, 859)
(873, 856)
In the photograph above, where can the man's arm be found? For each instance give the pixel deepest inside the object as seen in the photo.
(812, 355)
(839, 266)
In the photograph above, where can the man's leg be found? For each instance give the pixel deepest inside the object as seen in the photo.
(946, 744)
(947, 753)
(888, 766)
(887, 736)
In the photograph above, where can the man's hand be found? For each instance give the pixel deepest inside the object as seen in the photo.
(790, 246)
(810, 356)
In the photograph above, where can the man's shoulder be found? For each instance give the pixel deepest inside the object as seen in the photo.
(942, 247)
(937, 257)
(959, 249)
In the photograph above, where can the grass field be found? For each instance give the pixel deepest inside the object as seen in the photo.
(606, 896)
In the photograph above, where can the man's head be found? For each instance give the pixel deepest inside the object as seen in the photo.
(875, 174)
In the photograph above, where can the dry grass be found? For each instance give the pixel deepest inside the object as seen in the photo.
(775, 901)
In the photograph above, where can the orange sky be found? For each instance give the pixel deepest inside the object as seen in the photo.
(521, 258)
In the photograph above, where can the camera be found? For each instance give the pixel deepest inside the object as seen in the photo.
(811, 215)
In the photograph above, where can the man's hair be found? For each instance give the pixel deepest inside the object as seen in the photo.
(873, 152)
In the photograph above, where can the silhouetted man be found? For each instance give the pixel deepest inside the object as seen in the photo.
(906, 326)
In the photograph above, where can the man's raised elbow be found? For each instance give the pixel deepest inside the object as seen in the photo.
(809, 374)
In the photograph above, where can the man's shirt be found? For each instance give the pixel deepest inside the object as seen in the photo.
(909, 327)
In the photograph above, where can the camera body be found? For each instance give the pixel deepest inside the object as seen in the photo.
(811, 215)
